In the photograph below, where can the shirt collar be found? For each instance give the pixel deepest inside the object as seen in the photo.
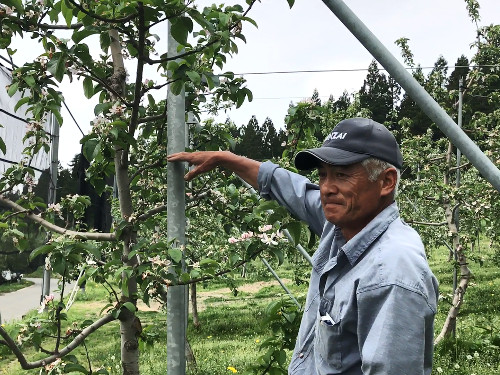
(357, 245)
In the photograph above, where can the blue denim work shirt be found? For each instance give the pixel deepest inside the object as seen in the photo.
(371, 301)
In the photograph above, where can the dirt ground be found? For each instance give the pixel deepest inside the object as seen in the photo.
(202, 296)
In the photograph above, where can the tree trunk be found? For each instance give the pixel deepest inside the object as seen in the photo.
(451, 319)
(130, 326)
(194, 306)
(190, 358)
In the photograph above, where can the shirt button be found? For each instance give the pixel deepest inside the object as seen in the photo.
(301, 355)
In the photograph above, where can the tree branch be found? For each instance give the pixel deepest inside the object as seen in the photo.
(152, 118)
(105, 85)
(100, 18)
(138, 79)
(146, 167)
(55, 228)
(459, 167)
(152, 212)
(426, 223)
(66, 350)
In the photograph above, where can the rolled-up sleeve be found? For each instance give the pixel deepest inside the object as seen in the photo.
(294, 192)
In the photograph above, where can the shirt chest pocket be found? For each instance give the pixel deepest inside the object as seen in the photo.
(328, 345)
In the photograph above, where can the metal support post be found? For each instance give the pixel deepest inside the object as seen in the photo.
(176, 222)
(416, 92)
(52, 197)
(281, 282)
(457, 184)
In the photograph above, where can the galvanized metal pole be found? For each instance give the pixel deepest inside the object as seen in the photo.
(52, 197)
(176, 221)
(457, 184)
(280, 282)
(416, 92)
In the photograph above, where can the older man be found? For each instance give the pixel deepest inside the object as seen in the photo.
(372, 297)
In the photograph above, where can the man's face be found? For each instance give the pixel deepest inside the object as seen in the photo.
(350, 200)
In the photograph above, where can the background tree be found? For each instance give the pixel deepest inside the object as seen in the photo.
(376, 94)
(127, 139)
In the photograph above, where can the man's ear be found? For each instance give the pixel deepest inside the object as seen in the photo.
(389, 179)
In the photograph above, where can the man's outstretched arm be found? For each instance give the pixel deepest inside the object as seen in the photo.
(205, 161)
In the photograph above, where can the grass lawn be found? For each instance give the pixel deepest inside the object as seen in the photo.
(231, 331)
(12, 287)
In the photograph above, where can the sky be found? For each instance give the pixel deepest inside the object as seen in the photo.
(310, 37)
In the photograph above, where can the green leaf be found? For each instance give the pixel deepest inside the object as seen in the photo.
(290, 3)
(57, 66)
(57, 115)
(180, 28)
(240, 98)
(105, 40)
(281, 357)
(89, 148)
(130, 306)
(3, 148)
(30, 80)
(176, 87)
(278, 253)
(75, 367)
(21, 102)
(88, 87)
(13, 89)
(105, 308)
(184, 277)
(194, 77)
(175, 254)
(265, 206)
(223, 18)
(41, 250)
(102, 107)
(78, 36)
(249, 94)
(67, 12)
(295, 228)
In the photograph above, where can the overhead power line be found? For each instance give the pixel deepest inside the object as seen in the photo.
(356, 70)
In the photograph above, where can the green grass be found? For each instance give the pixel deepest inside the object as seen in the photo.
(12, 287)
(476, 347)
(231, 331)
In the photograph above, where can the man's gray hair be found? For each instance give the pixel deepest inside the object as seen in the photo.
(374, 167)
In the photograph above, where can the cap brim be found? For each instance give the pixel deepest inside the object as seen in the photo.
(310, 159)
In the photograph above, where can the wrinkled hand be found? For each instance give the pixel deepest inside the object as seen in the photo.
(204, 161)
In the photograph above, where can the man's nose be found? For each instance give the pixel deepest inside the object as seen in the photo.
(330, 186)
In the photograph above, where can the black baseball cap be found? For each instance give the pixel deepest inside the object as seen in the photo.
(352, 141)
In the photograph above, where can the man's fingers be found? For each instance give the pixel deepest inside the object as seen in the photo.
(179, 156)
(192, 174)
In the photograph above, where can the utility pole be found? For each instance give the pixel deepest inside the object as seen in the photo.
(456, 218)
(54, 163)
(176, 224)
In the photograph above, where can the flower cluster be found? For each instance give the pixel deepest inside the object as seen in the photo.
(265, 237)
(117, 109)
(99, 124)
(43, 60)
(43, 304)
(30, 182)
(5, 10)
